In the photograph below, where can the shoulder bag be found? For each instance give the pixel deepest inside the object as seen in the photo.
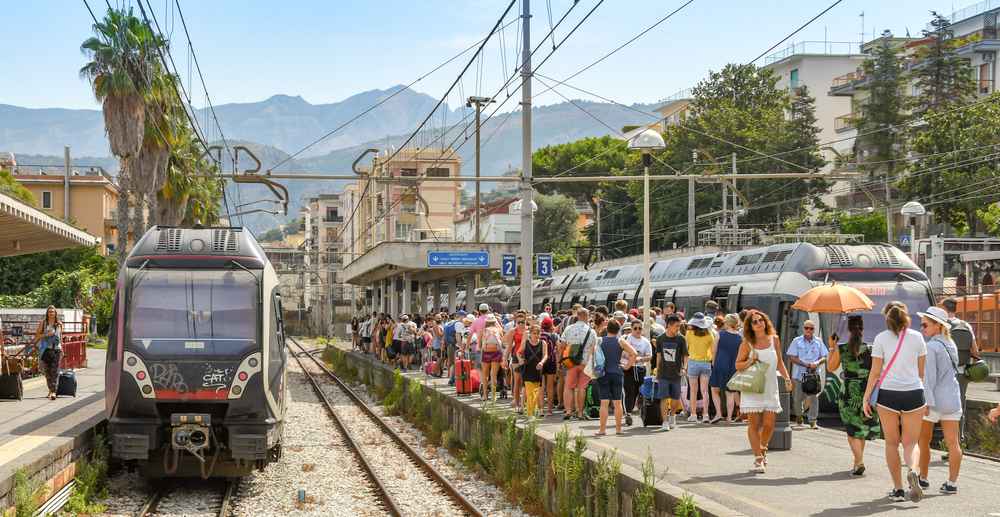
(751, 379)
(873, 399)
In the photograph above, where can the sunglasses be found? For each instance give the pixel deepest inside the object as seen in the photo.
(757, 320)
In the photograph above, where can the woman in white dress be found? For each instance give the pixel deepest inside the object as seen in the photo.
(760, 343)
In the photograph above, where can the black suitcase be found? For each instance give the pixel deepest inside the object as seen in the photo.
(66, 384)
(650, 411)
(11, 386)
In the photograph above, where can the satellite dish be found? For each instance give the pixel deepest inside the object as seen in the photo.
(913, 209)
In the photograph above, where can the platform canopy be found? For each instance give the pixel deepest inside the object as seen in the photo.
(25, 229)
(426, 261)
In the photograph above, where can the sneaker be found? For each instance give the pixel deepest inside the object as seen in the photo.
(924, 483)
(628, 420)
(897, 496)
(758, 466)
(948, 489)
(665, 426)
(859, 470)
(693, 418)
(715, 419)
(705, 420)
(673, 421)
(812, 425)
(916, 493)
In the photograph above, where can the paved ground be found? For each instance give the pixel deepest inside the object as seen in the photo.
(713, 461)
(32, 426)
(986, 391)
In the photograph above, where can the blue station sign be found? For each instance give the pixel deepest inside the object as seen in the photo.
(479, 259)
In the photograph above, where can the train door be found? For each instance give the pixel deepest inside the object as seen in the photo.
(790, 323)
(721, 296)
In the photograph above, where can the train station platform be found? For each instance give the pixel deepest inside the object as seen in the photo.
(44, 436)
(712, 462)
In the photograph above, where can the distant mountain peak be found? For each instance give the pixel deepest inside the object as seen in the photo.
(288, 99)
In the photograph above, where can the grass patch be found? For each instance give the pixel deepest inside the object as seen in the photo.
(686, 507)
(28, 494)
(982, 437)
(91, 481)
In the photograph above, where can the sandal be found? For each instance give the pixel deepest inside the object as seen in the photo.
(759, 465)
(600, 433)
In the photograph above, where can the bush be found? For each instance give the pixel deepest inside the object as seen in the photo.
(644, 500)
(604, 484)
(91, 481)
(567, 470)
(393, 401)
(28, 494)
(686, 507)
(982, 436)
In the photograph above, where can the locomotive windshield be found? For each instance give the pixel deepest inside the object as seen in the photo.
(203, 312)
(904, 289)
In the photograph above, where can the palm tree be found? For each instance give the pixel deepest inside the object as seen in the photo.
(120, 70)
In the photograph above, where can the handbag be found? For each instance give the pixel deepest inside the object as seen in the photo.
(751, 379)
(599, 363)
(873, 399)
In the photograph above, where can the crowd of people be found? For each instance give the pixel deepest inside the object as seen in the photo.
(593, 362)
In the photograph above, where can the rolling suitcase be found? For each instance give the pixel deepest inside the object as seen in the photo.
(463, 377)
(592, 402)
(67, 384)
(650, 412)
(11, 386)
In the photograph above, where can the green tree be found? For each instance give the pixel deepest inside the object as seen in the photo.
(871, 225)
(10, 187)
(943, 78)
(272, 235)
(884, 108)
(957, 150)
(555, 228)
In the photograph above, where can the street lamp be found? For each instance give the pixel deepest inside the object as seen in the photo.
(646, 141)
(912, 210)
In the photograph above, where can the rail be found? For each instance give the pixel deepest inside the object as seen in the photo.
(418, 460)
(151, 504)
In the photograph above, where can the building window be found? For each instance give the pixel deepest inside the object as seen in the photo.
(793, 79)
(438, 172)
(47, 200)
(408, 173)
(403, 231)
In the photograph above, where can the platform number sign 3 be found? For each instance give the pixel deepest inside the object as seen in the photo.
(543, 265)
(508, 266)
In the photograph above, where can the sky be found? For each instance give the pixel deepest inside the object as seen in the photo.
(326, 51)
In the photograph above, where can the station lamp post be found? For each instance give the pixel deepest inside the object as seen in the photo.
(647, 141)
(911, 210)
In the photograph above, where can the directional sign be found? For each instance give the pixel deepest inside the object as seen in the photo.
(904, 240)
(543, 265)
(508, 266)
(458, 259)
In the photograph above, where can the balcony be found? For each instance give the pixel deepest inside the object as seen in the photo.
(846, 84)
(333, 219)
(830, 48)
(845, 122)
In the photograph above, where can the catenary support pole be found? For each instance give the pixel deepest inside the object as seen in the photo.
(646, 298)
(66, 181)
(527, 214)
(692, 238)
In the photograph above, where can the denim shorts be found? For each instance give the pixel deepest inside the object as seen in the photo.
(699, 369)
(610, 386)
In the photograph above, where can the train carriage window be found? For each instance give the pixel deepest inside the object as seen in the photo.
(113, 330)
(748, 259)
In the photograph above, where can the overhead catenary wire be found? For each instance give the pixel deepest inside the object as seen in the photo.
(796, 31)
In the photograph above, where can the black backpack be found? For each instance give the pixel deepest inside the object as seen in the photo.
(961, 334)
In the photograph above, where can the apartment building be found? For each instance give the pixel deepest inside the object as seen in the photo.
(410, 209)
(497, 223)
(89, 203)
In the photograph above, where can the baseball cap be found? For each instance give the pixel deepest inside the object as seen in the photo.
(484, 307)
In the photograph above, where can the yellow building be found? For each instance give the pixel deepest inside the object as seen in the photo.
(93, 198)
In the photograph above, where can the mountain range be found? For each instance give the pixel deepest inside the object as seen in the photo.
(284, 124)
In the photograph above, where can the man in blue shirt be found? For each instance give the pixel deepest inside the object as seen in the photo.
(805, 353)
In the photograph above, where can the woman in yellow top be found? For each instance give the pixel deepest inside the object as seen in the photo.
(701, 342)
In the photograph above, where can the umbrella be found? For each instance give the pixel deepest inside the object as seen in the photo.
(833, 298)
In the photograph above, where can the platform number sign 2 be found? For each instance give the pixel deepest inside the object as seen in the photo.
(508, 266)
(543, 265)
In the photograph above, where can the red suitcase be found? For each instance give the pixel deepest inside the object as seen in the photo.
(463, 377)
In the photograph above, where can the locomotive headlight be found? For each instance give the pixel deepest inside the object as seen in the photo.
(237, 389)
(130, 361)
(147, 389)
(141, 375)
(249, 367)
(243, 376)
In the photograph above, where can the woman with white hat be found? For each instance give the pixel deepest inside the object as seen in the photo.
(941, 390)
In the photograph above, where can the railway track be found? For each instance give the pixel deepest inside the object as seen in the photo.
(174, 498)
(394, 503)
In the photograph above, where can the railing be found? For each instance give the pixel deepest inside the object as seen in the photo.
(970, 11)
(814, 47)
(844, 122)
(847, 79)
(333, 219)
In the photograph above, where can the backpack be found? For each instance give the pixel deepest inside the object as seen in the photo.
(573, 354)
(450, 336)
(961, 334)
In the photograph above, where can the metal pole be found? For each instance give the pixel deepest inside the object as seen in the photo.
(646, 298)
(692, 238)
(69, 172)
(598, 221)
(736, 196)
(527, 219)
(478, 108)
(888, 210)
